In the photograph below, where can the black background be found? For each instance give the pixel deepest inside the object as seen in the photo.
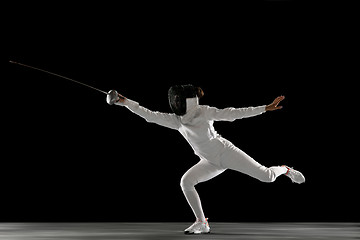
(68, 156)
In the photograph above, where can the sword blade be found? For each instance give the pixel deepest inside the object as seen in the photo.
(58, 75)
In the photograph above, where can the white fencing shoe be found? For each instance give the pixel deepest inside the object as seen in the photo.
(198, 227)
(294, 175)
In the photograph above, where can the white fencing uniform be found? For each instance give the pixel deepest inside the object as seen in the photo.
(216, 153)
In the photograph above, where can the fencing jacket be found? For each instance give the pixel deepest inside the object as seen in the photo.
(196, 125)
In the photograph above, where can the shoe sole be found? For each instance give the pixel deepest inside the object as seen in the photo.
(299, 181)
(190, 233)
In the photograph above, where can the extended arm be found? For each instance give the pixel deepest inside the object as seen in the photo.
(163, 119)
(231, 114)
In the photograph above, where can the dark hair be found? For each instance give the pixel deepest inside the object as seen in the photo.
(199, 92)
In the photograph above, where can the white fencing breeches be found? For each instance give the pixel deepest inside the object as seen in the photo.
(232, 158)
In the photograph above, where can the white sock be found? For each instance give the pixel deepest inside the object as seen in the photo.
(194, 201)
(279, 170)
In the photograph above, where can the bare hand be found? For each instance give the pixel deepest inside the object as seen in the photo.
(274, 105)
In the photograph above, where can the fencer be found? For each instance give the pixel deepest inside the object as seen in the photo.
(195, 123)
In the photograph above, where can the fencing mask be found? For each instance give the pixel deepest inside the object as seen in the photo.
(177, 97)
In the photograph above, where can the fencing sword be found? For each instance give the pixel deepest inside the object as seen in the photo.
(112, 95)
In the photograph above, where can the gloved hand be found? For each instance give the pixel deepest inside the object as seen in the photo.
(113, 96)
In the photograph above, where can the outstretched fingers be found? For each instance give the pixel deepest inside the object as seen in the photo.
(274, 105)
(277, 101)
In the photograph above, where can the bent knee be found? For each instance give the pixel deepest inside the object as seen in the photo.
(187, 184)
